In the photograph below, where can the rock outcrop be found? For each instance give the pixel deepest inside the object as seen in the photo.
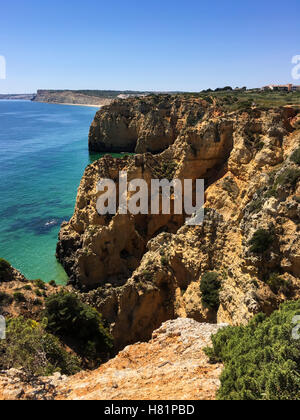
(20, 296)
(150, 124)
(172, 366)
(147, 269)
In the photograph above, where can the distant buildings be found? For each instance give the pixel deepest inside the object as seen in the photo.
(282, 88)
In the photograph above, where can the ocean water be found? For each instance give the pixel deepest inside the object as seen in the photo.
(43, 154)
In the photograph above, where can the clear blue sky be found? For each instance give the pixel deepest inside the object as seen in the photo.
(147, 44)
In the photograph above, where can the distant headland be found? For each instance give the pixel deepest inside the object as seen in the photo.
(75, 97)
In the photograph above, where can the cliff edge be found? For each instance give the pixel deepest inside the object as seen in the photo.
(172, 366)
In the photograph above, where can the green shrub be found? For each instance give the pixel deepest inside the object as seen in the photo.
(5, 299)
(166, 170)
(5, 270)
(19, 297)
(296, 156)
(262, 360)
(29, 347)
(68, 318)
(256, 205)
(27, 287)
(261, 241)
(37, 302)
(147, 275)
(289, 177)
(278, 284)
(38, 292)
(210, 288)
(39, 284)
(4, 265)
(53, 283)
(164, 261)
(231, 187)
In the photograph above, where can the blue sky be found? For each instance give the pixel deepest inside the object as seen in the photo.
(147, 45)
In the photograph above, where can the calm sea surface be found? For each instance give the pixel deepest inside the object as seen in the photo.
(43, 153)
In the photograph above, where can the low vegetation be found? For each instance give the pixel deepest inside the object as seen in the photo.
(296, 156)
(277, 284)
(78, 324)
(289, 177)
(210, 286)
(39, 284)
(5, 270)
(30, 347)
(261, 241)
(5, 299)
(166, 170)
(19, 297)
(262, 359)
(52, 283)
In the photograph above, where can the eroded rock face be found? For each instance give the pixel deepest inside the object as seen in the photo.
(148, 269)
(150, 124)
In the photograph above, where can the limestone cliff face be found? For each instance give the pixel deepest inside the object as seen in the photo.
(144, 125)
(147, 269)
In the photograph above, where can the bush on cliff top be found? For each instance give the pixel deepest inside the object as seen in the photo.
(29, 347)
(262, 359)
(73, 320)
(4, 265)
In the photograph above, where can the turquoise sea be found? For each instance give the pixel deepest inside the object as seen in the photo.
(43, 153)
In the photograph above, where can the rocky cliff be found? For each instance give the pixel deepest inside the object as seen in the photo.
(145, 270)
(144, 125)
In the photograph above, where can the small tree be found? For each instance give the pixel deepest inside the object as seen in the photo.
(261, 241)
(210, 288)
(69, 318)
